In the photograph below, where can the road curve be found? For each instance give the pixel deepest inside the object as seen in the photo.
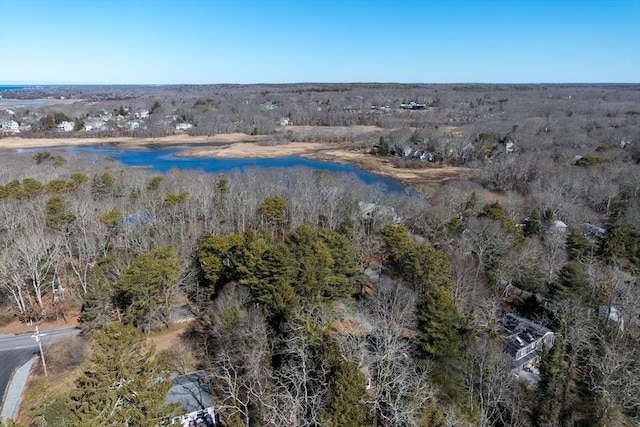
(16, 350)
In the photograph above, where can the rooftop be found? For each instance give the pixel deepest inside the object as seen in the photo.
(192, 391)
(520, 333)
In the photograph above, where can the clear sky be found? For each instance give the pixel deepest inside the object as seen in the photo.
(286, 41)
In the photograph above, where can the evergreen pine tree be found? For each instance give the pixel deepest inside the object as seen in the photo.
(571, 282)
(347, 395)
(442, 339)
(579, 246)
(620, 244)
(123, 382)
(217, 258)
(144, 281)
(438, 321)
(269, 270)
(547, 408)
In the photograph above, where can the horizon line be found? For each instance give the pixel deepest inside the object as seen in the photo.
(27, 84)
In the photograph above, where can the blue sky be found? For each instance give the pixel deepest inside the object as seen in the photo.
(285, 41)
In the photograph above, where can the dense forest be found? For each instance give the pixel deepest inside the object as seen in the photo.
(319, 300)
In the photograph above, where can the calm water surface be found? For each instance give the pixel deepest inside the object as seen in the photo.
(162, 160)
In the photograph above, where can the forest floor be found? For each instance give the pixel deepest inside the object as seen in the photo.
(240, 145)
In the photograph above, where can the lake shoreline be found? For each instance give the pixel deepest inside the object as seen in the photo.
(242, 146)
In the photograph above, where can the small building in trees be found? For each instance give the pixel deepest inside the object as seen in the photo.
(593, 231)
(286, 121)
(66, 126)
(523, 340)
(369, 210)
(94, 124)
(10, 126)
(141, 114)
(413, 106)
(560, 226)
(611, 315)
(194, 395)
(135, 219)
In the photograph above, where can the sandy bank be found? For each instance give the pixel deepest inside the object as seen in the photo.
(14, 142)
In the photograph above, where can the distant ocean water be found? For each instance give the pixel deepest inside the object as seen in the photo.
(12, 87)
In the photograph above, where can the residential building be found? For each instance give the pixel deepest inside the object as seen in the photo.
(95, 124)
(10, 126)
(66, 126)
(193, 393)
(141, 114)
(286, 121)
(523, 340)
(560, 226)
(133, 125)
(413, 106)
(611, 314)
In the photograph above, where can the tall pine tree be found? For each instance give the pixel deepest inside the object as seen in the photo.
(347, 396)
(442, 338)
(146, 281)
(123, 382)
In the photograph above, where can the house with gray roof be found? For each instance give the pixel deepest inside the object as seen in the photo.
(194, 395)
(523, 340)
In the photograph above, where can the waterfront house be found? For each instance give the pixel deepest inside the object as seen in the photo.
(10, 126)
(66, 126)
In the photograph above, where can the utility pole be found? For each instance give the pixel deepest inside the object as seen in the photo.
(37, 336)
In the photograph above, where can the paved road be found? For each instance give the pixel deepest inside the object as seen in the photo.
(13, 394)
(16, 350)
(10, 360)
(16, 342)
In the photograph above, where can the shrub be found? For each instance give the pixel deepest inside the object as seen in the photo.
(590, 160)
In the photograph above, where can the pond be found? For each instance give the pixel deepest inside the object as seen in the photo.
(162, 160)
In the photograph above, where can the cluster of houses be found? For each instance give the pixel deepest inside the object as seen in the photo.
(417, 154)
(104, 121)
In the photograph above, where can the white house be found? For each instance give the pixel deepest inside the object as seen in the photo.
(132, 124)
(286, 121)
(184, 126)
(66, 126)
(11, 126)
(560, 226)
(413, 106)
(370, 210)
(95, 124)
(141, 114)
